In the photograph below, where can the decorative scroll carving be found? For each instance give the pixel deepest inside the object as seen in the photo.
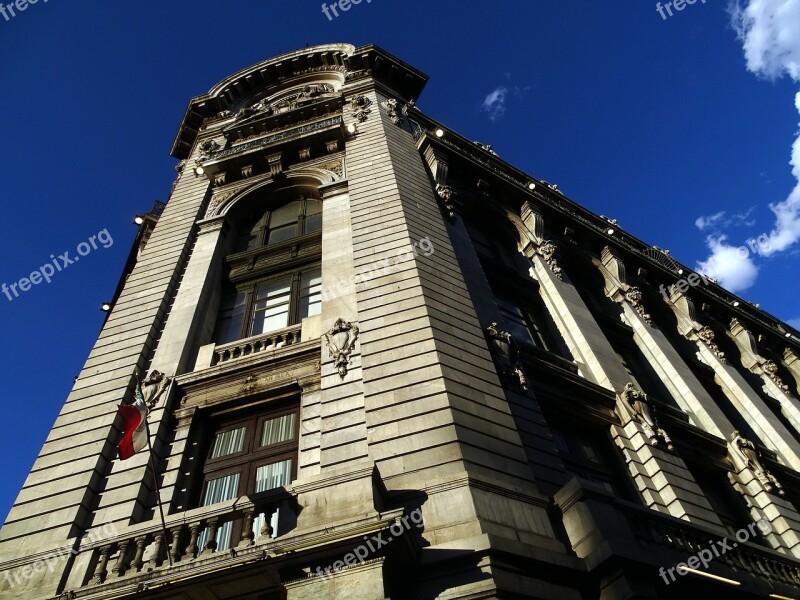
(446, 194)
(340, 340)
(744, 455)
(706, 335)
(634, 298)
(506, 356)
(644, 413)
(335, 166)
(360, 106)
(217, 200)
(547, 250)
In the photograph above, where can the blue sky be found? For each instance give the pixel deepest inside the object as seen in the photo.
(681, 128)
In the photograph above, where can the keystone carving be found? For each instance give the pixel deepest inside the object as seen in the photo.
(745, 456)
(644, 413)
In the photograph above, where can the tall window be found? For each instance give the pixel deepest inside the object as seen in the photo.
(247, 456)
(299, 217)
(258, 307)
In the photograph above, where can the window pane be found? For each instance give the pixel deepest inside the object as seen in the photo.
(286, 214)
(228, 442)
(313, 216)
(515, 321)
(269, 477)
(310, 293)
(271, 310)
(221, 489)
(231, 316)
(280, 234)
(248, 236)
(278, 430)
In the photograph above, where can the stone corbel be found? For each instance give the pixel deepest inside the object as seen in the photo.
(537, 245)
(688, 326)
(617, 287)
(446, 195)
(746, 459)
(635, 405)
(275, 164)
(751, 359)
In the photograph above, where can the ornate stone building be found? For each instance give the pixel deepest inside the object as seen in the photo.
(395, 366)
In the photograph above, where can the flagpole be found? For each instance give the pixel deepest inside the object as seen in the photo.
(158, 491)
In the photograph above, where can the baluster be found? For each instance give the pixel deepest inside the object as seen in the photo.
(158, 548)
(211, 543)
(102, 564)
(191, 550)
(266, 529)
(175, 551)
(119, 567)
(138, 560)
(247, 529)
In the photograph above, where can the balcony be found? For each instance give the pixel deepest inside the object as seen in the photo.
(150, 556)
(253, 345)
(606, 530)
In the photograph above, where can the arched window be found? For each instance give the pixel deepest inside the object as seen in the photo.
(281, 223)
(272, 287)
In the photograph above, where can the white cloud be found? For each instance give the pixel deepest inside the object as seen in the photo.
(770, 34)
(710, 221)
(730, 265)
(720, 221)
(794, 323)
(495, 103)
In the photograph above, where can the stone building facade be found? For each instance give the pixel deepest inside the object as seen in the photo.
(395, 366)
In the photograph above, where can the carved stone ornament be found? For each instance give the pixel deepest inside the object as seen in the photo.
(392, 110)
(547, 250)
(771, 371)
(706, 335)
(152, 388)
(217, 200)
(506, 356)
(446, 194)
(179, 167)
(486, 147)
(360, 107)
(340, 340)
(644, 413)
(208, 147)
(750, 458)
(634, 298)
(287, 103)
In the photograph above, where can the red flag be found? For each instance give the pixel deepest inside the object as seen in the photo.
(134, 426)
